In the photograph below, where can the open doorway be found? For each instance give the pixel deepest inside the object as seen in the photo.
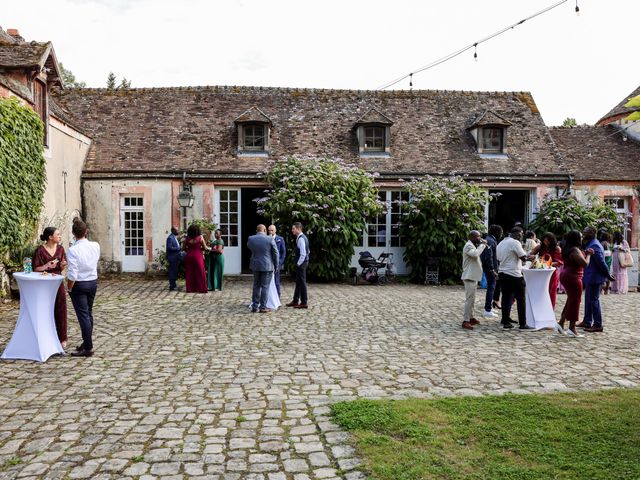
(509, 207)
(250, 220)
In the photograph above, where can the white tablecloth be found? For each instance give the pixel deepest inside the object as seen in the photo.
(540, 313)
(35, 337)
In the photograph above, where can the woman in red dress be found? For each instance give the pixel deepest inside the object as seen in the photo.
(194, 273)
(51, 258)
(549, 247)
(571, 278)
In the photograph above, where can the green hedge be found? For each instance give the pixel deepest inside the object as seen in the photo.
(22, 174)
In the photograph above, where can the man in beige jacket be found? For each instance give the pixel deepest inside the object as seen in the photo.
(471, 275)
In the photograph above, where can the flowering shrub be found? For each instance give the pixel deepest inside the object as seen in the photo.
(439, 216)
(560, 215)
(331, 199)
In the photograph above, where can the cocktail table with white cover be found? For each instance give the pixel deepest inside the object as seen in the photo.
(540, 313)
(35, 337)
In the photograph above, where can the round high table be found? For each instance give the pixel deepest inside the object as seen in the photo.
(540, 313)
(35, 337)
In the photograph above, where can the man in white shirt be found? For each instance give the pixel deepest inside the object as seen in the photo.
(302, 262)
(471, 275)
(511, 255)
(82, 283)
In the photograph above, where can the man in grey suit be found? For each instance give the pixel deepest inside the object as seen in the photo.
(264, 260)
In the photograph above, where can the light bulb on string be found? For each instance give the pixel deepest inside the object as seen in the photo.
(411, 81)
(577, 8)
(475, 52)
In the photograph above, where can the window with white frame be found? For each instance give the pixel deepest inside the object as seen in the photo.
(621, 206)
(383, 230)
(491, 140)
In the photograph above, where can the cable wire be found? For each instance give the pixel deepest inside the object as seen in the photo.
(452, 55)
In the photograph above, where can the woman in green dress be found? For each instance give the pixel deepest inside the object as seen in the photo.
(216, 262)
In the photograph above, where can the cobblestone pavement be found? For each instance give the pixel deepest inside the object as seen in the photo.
(195, 386)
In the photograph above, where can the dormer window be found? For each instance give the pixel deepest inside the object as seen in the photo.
(374, 139)
(489, 130)
(492, 140)
(253, 138)
(373, 130)
(253, 128)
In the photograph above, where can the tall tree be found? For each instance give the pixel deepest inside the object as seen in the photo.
(69, 79)
(569, 122)
(111, 81)
(124, 83)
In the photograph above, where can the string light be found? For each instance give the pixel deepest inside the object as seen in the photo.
(410, 81)
(475, 52)
(473, 45)
(577, 8)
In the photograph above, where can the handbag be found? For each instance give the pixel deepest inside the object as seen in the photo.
(625, 259)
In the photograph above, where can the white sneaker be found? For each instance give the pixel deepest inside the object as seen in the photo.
(490, 314)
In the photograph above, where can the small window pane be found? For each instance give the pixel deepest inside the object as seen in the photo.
(492, 139)
(374, 139)
(254, 137)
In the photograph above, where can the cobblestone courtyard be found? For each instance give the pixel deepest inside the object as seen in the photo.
(195, 386)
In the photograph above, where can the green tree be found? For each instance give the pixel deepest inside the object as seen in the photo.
(439, 216)
(124, 83)
(22, 174)
(560, 215)
(69, 79)
(111, 81)
(634, 102)
(332, 201)
(569, 122)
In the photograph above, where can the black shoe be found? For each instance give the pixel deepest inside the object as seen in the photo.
(254, 310)
(80, 348)
(507, 326)
(512, 321)
(526, 327)
(82, 353)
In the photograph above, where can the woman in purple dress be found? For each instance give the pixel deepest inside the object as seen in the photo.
(51, 258)
(194, 273)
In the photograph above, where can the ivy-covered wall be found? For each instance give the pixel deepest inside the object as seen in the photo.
(22, 174)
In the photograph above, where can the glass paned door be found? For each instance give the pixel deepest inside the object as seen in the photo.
(228, 219)
(132, 233)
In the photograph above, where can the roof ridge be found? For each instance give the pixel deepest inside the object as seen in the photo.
(264, 89)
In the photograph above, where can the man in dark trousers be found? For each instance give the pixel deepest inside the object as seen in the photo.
(264, 260)
(82, 283)
(490, 267)
(595, 274)
(173, 257)
(510, 256)
(302, 262)
(282, 252)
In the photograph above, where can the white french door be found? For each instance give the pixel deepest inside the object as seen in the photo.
(382, 233)
(227, 217)
(132, 233)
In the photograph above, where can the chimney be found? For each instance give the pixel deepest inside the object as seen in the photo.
(15, 33)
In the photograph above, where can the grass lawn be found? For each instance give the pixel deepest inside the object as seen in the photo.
(592, 435)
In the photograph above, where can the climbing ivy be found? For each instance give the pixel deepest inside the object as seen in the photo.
(22, 174)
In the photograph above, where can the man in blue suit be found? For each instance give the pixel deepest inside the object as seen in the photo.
(282, 251)
(173, 257)
(595, 274)
(264, 260)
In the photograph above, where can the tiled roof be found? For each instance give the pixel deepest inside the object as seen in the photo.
(598, 153)
(17, 54)
(620, 109)
(192, 129)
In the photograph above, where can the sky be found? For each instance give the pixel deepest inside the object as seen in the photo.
(577, 66)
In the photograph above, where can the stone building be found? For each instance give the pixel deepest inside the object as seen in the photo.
(149, 144)
(28, 71)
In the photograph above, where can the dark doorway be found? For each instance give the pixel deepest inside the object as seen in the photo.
(250, 220)
(509, 207)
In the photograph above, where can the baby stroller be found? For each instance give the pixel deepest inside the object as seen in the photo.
(378, 271)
